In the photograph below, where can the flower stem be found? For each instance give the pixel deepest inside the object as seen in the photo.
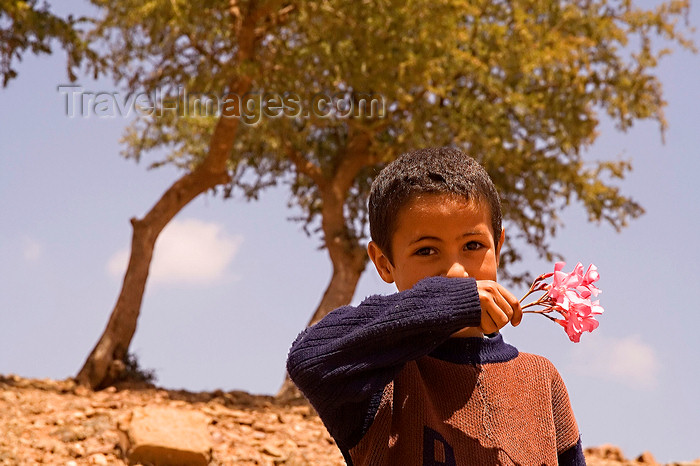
(529, 292)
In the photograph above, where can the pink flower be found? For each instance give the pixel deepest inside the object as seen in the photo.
(581, 318)
(576, 283)
(570, 296)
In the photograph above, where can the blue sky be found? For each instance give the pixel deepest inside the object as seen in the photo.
(234, 282)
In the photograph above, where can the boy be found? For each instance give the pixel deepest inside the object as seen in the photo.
(422, 377)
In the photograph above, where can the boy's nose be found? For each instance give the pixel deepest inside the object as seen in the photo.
(457, 270)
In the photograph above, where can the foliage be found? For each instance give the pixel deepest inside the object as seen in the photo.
(521, 85)
(25, 25)
(133, 372)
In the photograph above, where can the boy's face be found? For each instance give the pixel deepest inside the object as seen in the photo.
(440, 234)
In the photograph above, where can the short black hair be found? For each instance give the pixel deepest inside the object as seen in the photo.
(435, 170)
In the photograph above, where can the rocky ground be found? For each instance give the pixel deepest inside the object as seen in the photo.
(59, 423)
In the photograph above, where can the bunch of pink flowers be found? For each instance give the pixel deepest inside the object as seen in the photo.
(570, 296)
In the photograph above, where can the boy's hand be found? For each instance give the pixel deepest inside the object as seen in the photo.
(498, 306)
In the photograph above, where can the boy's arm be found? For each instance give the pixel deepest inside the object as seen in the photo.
(343, 362)
(572, 456)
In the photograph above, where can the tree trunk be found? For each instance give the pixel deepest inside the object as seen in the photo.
(105, 362)
(348, 257)
(341, 289)
(346, 274)
(349, 260)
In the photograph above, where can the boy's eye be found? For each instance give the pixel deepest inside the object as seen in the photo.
(473, 245)
(425, 252)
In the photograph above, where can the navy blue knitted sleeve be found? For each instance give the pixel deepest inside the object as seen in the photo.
(343, 362)
(573, 456)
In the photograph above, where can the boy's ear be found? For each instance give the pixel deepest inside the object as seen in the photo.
(501, 240)
(381, 262)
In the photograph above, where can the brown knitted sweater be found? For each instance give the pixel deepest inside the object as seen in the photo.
(393, 388)
(511, 413)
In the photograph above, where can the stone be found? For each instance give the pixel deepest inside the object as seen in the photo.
(81, 391)
(297, 459)
(647, 458)
(99, 459)
(76, 450)
(606, 452)
(165, 436)
(272, 450)
(68, 434)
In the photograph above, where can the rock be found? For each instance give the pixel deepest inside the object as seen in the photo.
(167, 436)
(297, 459)
(647, 458)
(76, 450)
(99, 459)
(606, 452)
(81, 391)
(272, 450)
(68, 434)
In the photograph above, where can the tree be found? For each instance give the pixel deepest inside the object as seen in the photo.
(174, 39)
(518, 84)
(26, 26)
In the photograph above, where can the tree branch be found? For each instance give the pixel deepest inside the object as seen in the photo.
(356, 156)
(198, 47)
(305, 166)
(265, 10)
(234, 10)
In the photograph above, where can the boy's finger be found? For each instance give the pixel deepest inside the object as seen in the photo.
(514, 304)
(517, 315)
(502, 312)
(496, 312)
(487, 323)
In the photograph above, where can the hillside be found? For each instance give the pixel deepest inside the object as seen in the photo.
(56, 422)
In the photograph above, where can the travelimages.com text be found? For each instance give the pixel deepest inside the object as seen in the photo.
(250, 108)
